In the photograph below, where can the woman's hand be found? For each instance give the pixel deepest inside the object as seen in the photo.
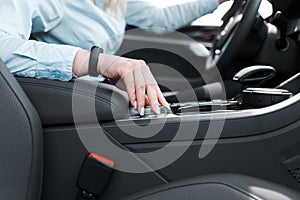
(136, 77)
(132, 75)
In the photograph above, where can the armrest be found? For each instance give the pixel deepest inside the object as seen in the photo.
(53, 100)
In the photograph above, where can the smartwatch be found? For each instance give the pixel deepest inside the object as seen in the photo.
(93, 61)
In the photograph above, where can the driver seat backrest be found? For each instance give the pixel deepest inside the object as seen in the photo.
(21, 142)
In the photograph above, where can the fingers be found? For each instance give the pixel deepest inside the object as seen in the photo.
(129, 82)
(134, 81)
(154, 94)
(151, 90)
(140, 90)
(162, 100)
(147, 90)
(152, 98)
(140, 84)
(147, 103)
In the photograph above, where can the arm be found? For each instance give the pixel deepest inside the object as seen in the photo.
(41, 60)
(144, 14)
(27, 57)
(37, 59)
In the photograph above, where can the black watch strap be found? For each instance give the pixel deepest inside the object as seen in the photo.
(93, 61)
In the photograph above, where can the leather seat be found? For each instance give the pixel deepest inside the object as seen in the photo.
(21, 161)
(219, 187)
(21, 142)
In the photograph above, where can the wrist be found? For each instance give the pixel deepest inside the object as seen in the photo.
(81, 62)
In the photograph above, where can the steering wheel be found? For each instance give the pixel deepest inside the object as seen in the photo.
(234, 31)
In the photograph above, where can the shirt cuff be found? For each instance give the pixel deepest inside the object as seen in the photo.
(56, 65)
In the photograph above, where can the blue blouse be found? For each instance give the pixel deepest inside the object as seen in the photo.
(40, 38)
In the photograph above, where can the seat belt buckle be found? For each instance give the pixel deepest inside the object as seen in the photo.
(94, 176)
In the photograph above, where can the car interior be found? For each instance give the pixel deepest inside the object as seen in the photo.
(233, 131)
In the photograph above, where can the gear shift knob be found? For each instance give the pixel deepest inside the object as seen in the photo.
(254, 76)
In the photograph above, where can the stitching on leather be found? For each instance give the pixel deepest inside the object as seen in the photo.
(68, 85)
(71, 90)
(218, 183)
(241, 189)
(68, 90)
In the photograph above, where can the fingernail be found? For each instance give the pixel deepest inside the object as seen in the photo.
(169, 106)
(142, 113)
(134, 104)
(158, 110)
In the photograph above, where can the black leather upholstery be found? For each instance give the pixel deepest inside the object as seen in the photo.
(21, 149)
(219, 187)
(53, 100)
(21, 142)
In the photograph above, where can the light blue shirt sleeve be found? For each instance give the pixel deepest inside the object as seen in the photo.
(145, 14)
(31, 58)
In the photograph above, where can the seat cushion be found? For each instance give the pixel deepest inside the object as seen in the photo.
(219, 187)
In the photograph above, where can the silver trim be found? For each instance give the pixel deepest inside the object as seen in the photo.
(228, 114)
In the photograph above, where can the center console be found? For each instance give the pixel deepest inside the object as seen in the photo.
(254, 111)
(238, 116)
(251, 96)
(244, 133)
